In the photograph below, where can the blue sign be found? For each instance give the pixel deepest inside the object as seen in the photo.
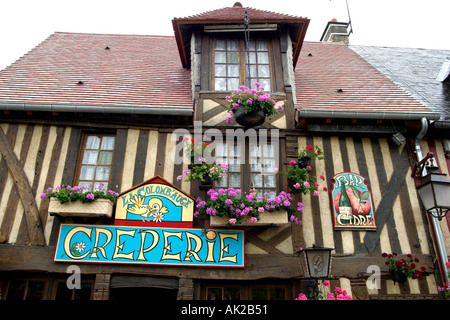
(148, 245)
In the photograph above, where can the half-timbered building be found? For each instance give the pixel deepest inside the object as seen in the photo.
(84, 109)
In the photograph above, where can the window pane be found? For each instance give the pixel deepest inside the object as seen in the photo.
(220, 70)
(108, 143)
(16, 290)
(90, 157)
(87, 172)
(233, 70)
(232, 57)
(251, 45)
(270, 194)
(97, 185)
(268, 150)
(214, 294)
(220, 57)
(235, 180)
(35, 290)
(92, 142)
(232, 45)
(105, 157)
(220, 45)
(263, 71)
(252, 74)
(232, 293)
(259, 293)
(87, 184)
(102, 173)
(255, 165)
(263, 57)
(261, 45)
(256, 181)
(220, 84)
(277, 294)
(251, 56)
(269, 181)
(255, 150)
(265, 83)
(269, 165)
(233, 84)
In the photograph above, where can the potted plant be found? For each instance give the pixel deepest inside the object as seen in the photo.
(401, 269)
(298, 172)
(195, 149)
(227, 207)
(80, 201)
(250, 107)
(206, 173)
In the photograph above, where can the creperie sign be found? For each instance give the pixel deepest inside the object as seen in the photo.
(152, 225)
(153, 246)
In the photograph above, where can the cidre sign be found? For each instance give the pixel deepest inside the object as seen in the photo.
(153, 226)
(352, 203)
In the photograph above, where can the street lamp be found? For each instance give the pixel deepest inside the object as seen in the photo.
(316, 261)
(434, 192)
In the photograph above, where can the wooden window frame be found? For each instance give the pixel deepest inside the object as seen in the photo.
(81, 154)
(242, 59)
(246, 288)
(246, 170)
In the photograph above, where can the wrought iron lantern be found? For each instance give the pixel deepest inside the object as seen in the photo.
(434, 192)
(316, 261)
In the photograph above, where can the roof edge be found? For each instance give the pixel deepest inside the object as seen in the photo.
(366, 115)
(106, 109)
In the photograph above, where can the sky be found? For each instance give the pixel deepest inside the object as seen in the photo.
(392, 23)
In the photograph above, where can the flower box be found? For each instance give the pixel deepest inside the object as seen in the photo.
(97, 208)
(265, 219)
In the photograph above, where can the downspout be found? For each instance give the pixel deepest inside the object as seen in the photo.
(440, 244)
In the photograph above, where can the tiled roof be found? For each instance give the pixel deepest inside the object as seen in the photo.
(332, 79)
(235, 16)
(115, 70)
(415, 70)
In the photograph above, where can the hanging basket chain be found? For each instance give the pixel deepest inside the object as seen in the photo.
(247, 40)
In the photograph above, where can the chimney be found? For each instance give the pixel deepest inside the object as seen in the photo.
(336, 32)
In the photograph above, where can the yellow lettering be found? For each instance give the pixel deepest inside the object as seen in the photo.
(167, 246)
(70, 234)
(224, 248)
(198, 246)
(118, 255)
(154, 242)
(96, 248)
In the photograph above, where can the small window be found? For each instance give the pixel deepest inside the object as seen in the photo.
(96, 161)
(19, 289)
(256, 171)
(63, 293)
(233, 66)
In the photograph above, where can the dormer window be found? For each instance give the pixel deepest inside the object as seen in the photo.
(229, 69)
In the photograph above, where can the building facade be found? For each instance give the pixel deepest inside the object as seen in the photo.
(82, 109)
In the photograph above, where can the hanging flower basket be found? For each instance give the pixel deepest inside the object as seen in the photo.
(249, 119)
(265, 219)
(250, 107)
(97, 208)
(398, 276)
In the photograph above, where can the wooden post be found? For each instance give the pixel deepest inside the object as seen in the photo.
(101, 287)
(185, 289)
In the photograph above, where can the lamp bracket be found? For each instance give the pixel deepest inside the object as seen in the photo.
(418, 167)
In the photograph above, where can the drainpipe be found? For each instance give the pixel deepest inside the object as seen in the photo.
(440, 244)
